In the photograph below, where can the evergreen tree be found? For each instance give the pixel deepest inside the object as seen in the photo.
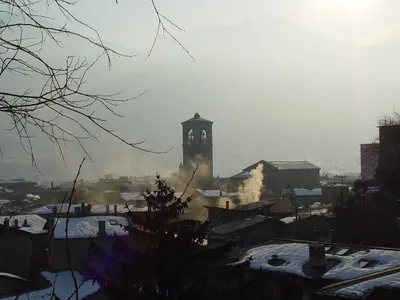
(176, 264)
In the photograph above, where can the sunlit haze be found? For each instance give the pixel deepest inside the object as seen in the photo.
(281, 80)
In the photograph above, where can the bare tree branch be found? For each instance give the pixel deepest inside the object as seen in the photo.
(66, 231)
(24, 32)
(161, 27)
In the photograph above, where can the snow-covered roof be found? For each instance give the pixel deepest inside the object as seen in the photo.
(99, 209)
(35, 223)
(319, 212)
(216, 193)
(306, 192)
(121, 208)
(296, 255)
(6, 190)
(86, 227)
(292, 165)
(4, 201)
(131, 196)
(288, 220)
(392, 281)
(138, 196)
(8, 275)
(316, 205)
(242, 175)
(63, 287)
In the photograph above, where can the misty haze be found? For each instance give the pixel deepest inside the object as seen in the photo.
(199, 149)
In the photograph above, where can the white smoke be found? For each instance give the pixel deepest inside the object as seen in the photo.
(250, 190)
(33, 197)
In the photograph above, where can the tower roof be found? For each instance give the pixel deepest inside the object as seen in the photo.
(196, 118)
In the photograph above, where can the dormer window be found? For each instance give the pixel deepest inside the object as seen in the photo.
(342, 252)
(366, 263)
(276, 261)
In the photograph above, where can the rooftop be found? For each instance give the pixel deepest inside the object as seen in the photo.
(86, 227)
(238, 224)
(293, 165)
(196, 118)
(35, 223)
(254, 205)
(285, 165)
(216, 193)
(63, 287)
(96, 209)
(353, 262)
(307, 193)
(241, 175)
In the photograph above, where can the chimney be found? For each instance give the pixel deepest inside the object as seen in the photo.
(25, 223)
(102, 228)
(227, 204)
(52, 185)
(16, 223)
(50, 226)
(54, 209)
(82, 207)
(115, 208)
(107, 209)
(316, 255)
(77, 210)
(6, 225)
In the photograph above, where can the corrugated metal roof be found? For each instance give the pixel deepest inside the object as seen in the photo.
(292, 165)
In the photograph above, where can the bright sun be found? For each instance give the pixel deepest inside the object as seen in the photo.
(354, 6)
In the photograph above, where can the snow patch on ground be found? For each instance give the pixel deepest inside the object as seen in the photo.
(63, 287)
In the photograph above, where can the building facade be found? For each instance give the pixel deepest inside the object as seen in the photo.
(288, 174)
(369, 159)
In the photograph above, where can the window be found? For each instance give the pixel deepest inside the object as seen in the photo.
(113, 222)
(365, 263)
(342, 251)
(190, 137)
(276, 261)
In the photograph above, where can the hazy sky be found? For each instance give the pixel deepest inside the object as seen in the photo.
(282, 80)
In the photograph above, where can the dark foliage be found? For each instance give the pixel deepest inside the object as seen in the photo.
(175, 264)
(368, 218)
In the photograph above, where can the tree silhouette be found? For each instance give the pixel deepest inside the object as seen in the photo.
(60, 101)
(176, 264)
(369, 216)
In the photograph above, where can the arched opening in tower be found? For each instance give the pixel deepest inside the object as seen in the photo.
(203, 137)
(190, 137)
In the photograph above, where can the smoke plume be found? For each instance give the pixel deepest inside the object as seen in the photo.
(250, 190)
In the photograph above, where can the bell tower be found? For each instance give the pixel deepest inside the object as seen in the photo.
(197, 146)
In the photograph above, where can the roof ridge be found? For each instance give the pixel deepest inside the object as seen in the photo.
(349, 282)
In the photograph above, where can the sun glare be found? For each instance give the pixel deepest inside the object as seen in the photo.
(354, 6)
